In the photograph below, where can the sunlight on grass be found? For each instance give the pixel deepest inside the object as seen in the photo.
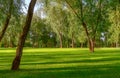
(62, 63)
(6, 51)
(54, 49)
(107, 49)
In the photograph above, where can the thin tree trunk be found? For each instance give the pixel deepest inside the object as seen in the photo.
(60, 40)
(11, 44)
(72, 41)
(116, 44)
(6, 21)
(81, 45)
(17, 59)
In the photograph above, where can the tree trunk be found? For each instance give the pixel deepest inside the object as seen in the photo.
(72, 41)
(60, 40)
(16, 61)
(11, 44)
(91, 45)
(6, 21)
(81, 45)
(116, 44)
(90, 41)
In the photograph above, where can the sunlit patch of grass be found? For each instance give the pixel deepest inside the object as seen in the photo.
(107, 48)
(53, 49)
(62, 63)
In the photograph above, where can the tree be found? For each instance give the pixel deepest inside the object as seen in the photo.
(89, 13)
(7, 20)
(16, 61)
(39, 32)
(10, 8)
(75, 31)
(114, 29)
(58, 20)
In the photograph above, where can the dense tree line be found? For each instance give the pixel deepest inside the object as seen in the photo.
(69, 29)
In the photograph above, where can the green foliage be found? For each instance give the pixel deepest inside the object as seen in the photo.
(114, 29)
(12, 8)
(57, 21)
(13, 31)
(100, 16)
(75, 29)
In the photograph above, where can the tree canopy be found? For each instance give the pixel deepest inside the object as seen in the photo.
(66, 23)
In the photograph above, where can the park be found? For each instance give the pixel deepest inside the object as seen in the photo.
(59, 39)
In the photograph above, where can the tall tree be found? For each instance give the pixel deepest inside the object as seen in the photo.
(16, 61)
(7, 20)
(75, 31)
(9, 9)
(58, 20)
(114, 29)
(89, 13)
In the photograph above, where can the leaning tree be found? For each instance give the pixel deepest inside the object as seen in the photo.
(17, 59)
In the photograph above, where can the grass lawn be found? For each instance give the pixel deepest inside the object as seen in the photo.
(62, 63)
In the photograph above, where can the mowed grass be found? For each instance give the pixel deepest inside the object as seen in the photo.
(62, 63)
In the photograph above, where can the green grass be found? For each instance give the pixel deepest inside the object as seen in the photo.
(62, 63)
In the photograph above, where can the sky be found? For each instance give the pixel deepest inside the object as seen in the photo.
(36, 7)
(26, 7)
(27, 4)
(27, 1)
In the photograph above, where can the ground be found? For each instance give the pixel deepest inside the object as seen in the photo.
(62, 63)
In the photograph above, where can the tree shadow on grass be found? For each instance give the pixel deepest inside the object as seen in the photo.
(90, 61)
(66, 72)
(80, 71)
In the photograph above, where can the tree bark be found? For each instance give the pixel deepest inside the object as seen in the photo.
(91, 45)
(17, 59)
(6, 21)
(90, 41)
